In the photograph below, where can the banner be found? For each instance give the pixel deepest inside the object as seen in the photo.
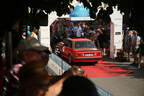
(80, 11)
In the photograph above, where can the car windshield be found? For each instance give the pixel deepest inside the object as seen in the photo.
(84, 44)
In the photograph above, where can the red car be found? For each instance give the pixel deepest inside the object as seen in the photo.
(78, 50)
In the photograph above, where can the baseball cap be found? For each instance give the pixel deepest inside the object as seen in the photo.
(32, 43)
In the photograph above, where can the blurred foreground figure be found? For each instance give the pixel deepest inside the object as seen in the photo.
(140, 53)
(78, 86)
(34, 33)
(29, 50)
(56, 87)
(35, 80)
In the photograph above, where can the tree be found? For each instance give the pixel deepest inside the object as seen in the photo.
(131, 9)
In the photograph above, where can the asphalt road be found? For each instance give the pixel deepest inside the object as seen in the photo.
(129, 85)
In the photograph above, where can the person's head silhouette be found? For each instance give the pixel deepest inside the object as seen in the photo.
(78, 86)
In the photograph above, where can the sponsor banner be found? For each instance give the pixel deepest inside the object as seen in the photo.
(80, 11)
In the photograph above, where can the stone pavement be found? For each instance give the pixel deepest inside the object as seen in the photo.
(128, 85)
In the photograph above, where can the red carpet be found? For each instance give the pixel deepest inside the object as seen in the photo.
(104, 69)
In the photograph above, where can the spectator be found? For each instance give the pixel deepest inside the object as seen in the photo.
(28, 51)
(127, 44)
(34, 33)
(79, 31)
(86, 31)
(135, 45)
(78, 86)
(92, 34)
(71, 30)
(34, 80)
(102, 38)
(141, 54)
(97, 33)
(56, 88)
(32, 69)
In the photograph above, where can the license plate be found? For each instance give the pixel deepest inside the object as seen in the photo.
(88, 54)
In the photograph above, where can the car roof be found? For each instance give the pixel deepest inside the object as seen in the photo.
(79, 39)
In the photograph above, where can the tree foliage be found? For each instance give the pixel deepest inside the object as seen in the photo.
(132, 9)
(133, 16)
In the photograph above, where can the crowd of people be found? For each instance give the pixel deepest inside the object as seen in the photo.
(28, 76)
(99, 34)
(133, 45)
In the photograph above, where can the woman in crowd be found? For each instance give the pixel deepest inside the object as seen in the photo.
(34, 32)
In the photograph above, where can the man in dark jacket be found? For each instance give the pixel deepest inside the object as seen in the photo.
(140, 51)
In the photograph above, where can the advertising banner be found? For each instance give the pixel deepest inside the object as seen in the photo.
(80, 11)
